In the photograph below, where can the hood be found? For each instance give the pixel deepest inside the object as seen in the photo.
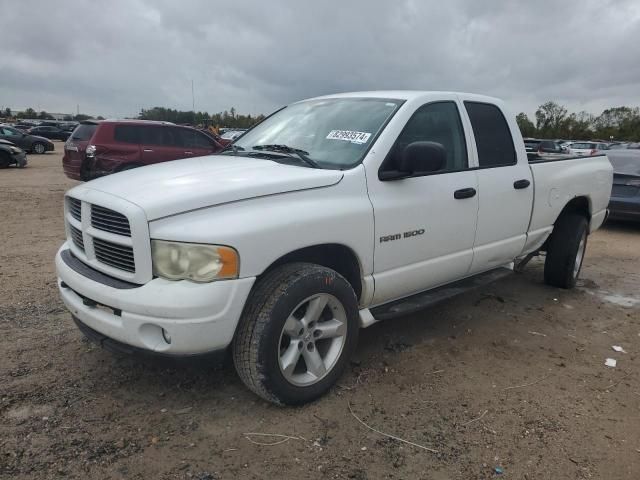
(179, 186)
(7, 142)
(39, 138)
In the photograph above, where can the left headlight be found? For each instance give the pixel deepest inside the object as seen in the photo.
(193, 261)
(15, 150)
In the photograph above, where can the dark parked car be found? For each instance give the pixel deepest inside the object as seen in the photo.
(52, 133)
(11, 155)
(27, 142)
(543, 148)
(625, 194)
(97, 148)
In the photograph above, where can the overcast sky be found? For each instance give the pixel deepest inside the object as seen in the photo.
(115, 57)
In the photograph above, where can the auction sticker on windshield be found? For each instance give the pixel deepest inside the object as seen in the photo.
(349, 136)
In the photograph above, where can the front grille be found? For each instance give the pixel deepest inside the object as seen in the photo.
(76, 236)
(117, 256)
(624, 191)
(75, 208)
(109, 221)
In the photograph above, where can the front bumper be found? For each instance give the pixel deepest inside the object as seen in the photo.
(196, 317)
(20, 159)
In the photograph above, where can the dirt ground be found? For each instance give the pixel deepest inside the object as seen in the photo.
(509, 377)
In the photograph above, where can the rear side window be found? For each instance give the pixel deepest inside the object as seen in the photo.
(126, 134)
(493, 137)
(84, 132)
(158, 136)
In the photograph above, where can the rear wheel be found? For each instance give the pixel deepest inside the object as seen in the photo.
(565, 251)
(39, 148)
(298, 330)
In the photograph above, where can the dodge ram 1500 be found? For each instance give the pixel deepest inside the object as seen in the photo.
(329, 215)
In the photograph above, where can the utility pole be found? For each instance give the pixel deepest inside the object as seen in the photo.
(193, 98)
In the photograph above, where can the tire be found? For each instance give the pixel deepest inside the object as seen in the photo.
(39, 148)
(565, 251)
(277, 346)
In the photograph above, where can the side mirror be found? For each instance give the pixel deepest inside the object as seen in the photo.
(417, 158)
(422, 157)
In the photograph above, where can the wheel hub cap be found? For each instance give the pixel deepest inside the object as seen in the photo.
(312, 339)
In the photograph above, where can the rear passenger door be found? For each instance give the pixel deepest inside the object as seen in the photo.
(505, 189)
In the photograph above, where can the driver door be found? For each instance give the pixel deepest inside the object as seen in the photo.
(425, 225)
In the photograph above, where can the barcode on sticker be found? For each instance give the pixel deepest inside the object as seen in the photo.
(349, 136)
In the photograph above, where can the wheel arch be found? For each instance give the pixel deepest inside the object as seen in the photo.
(336, 256)
(580, 205)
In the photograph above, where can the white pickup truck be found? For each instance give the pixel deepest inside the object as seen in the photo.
(331, 214)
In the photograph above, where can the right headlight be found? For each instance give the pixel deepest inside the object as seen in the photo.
(193, 261)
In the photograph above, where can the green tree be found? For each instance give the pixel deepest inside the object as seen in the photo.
(28, 113)
(527, 128)
(81, 116)
(7, 112)
(551, 120)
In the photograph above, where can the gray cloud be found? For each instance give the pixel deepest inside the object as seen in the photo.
(116, 57)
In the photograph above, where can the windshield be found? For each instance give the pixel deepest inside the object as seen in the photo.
(333, 133)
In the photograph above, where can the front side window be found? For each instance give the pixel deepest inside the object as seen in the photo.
(334, 133)
(493, 137)
(11, 132)
(435, 122)
(192, 139)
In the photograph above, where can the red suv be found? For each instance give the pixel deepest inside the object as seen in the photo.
(97, 148)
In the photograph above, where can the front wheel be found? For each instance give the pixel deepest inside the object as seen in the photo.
(565, 251)
(39, 148)
(298, 330)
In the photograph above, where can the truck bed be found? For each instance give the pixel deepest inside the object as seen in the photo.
(559, 180)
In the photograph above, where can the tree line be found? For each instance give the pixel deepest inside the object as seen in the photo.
(31, 114)
(554, 121)
(222, 119)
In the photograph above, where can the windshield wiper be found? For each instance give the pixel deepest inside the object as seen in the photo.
(302, 155)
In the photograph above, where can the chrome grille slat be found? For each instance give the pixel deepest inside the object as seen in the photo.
(115, 259)
(76, 236)
(117, 256)
(75, 208)
(122, 249)
(109, 221)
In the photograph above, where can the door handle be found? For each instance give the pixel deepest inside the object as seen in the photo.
(464, 193)
(519, 184)
(188, 153)
(147, 150)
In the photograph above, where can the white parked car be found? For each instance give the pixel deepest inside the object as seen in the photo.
(330, 215)
(587, 148)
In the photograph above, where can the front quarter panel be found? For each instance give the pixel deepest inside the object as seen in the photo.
(266, 228)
